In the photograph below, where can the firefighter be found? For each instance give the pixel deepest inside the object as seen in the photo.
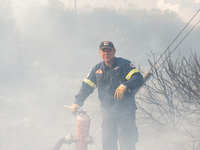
(115, 78)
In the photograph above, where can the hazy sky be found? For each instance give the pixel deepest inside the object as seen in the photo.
(20, 6)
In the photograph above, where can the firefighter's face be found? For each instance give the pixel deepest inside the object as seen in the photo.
(107, 54)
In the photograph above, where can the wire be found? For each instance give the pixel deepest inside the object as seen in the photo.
(175, 40)
(148, 73)
(178, 44)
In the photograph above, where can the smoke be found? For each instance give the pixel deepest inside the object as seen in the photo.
(45, 52)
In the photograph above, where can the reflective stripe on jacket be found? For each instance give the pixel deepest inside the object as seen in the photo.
(107, 79)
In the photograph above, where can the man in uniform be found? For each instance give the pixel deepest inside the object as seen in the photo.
(116, 78)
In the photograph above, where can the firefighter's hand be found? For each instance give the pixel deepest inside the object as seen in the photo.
(75, 108)
(119, 93)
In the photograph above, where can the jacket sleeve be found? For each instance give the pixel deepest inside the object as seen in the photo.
(133, 78)
(87, 87)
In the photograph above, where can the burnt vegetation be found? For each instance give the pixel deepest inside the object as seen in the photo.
(170, 98)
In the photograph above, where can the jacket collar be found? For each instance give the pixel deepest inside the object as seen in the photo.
(114, 64)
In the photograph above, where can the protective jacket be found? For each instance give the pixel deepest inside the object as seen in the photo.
(107, 79)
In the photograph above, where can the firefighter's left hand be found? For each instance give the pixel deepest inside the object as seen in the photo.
(75, 108)
(119, 93)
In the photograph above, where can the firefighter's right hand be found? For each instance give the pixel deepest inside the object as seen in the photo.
(75, 108)
(119, 93)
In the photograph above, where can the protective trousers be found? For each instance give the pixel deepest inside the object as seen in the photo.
(122, 129)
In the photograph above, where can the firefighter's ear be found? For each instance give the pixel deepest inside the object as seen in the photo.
(114, 51)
